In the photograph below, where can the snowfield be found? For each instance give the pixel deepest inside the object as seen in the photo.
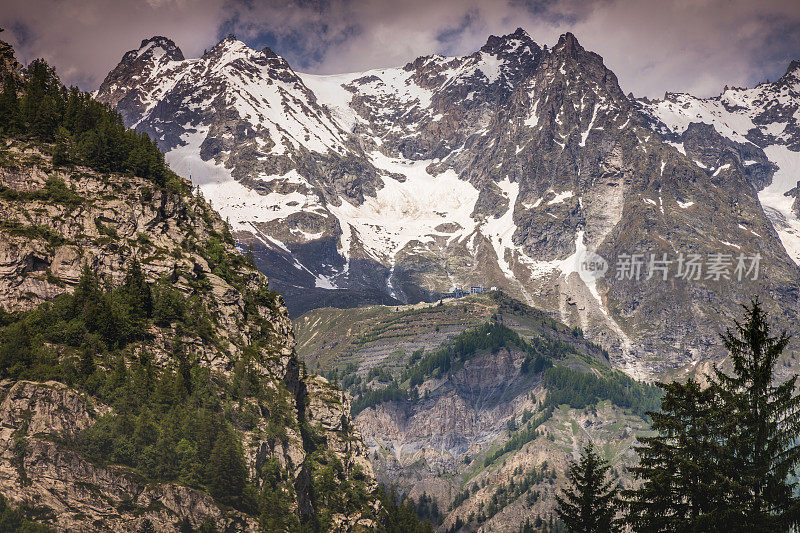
(777, 206)
(409, 210)
(240, 205)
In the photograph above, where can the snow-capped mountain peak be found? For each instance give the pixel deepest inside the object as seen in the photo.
(231, 49)
(510, 164)
(518, 42)
(137, 77)
(793, 69)
(762, 125)
(157, 47)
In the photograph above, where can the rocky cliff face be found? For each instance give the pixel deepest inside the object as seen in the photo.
(508, 165)
(758, 127)
(73, 493)
(55, 223)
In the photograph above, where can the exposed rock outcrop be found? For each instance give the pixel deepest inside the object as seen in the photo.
(55, 223)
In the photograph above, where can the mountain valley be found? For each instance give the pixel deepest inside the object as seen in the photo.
(239, 297)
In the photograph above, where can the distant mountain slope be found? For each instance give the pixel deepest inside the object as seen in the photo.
(476, 404)
(761, 125)
(506, 166)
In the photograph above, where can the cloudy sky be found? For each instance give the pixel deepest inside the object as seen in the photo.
(653, 46)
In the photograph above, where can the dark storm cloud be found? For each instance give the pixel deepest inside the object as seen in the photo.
(669, 45)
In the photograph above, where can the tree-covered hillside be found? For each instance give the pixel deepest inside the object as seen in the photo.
(84, 131)
(147, 372)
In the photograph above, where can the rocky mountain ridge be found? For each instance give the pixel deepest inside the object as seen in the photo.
(504, 167)
(760, 125)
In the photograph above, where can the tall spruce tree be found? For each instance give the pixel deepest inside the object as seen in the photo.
(138, 293)
(9, 107)
(588, 505)
(724, 454)
(227, 473)
(761, 450)
(683, 486)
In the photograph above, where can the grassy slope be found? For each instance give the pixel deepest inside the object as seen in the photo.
(330, 338)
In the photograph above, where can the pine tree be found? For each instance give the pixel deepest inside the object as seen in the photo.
(724, 453)
(9, 107)
(249, 256)
(41, 105)
(683, 487)
(118, 378)
(227, 473)
(87, 302)
(63, 148)
(86, 363)
(764, 427)
(138, 292)
(183, 376)
(587, 506)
